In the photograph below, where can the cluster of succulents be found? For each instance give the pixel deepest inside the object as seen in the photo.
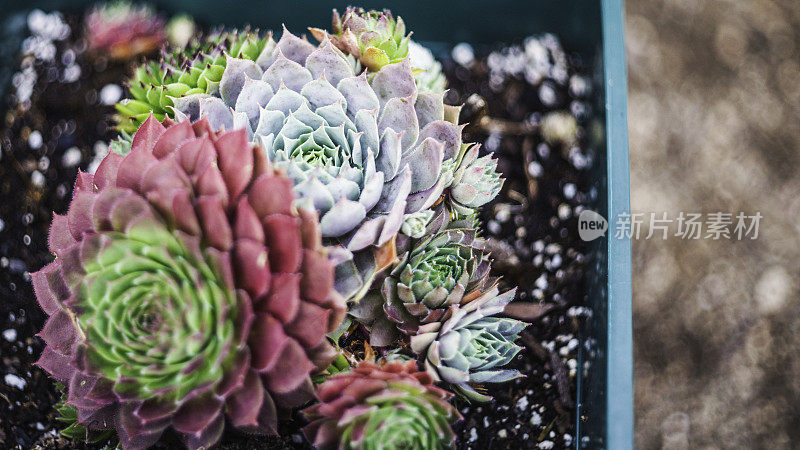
(279, 201)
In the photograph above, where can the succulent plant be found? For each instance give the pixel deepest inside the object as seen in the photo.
(68, 415)
(363, 153)
(445, 269)
(468, 346)
(415, 225)
(393, 406)
(122, 30)
(375, 38)
(198, 68)
(475, 183)
(185, 289)
(121, 145)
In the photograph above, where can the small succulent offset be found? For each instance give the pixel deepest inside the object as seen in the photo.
(185, 289)
(122, 30)
(375, 38)
(468, 346)
(68, 415)
(393, 406)
(475, 183)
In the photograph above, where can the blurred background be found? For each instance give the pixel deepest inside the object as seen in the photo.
(714, 116)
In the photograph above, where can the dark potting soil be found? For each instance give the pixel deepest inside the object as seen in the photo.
(56, 117)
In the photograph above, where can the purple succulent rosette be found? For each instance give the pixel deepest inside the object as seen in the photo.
(363, 151)
(185, 290)
(469, 345)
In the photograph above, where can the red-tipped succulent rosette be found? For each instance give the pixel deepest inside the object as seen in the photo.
(122, 30)
(389, 406)
(186, 289)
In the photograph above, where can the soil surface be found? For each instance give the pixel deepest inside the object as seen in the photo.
(57, 110)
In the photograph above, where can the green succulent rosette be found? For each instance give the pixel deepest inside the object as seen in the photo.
(375, 38)
(196, 69)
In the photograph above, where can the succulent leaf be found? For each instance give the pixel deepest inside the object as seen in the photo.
(338, 365)
(68, 414)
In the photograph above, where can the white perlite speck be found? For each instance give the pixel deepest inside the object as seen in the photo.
(35, 140)
(503, 214)
(493, 227)
(536, 419)
(573, 344)
(15, 381)
(522, 403)
(541, 282)
(535, 169)
(774, 289)
(463, 54)
(570, 190)
(71, 157)
(10, 335)
(110, 94)
(100, 152)
(473, 435)
(37, 178)
(564, 211)
(547, 445)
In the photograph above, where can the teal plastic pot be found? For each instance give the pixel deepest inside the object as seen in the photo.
(593, 28)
